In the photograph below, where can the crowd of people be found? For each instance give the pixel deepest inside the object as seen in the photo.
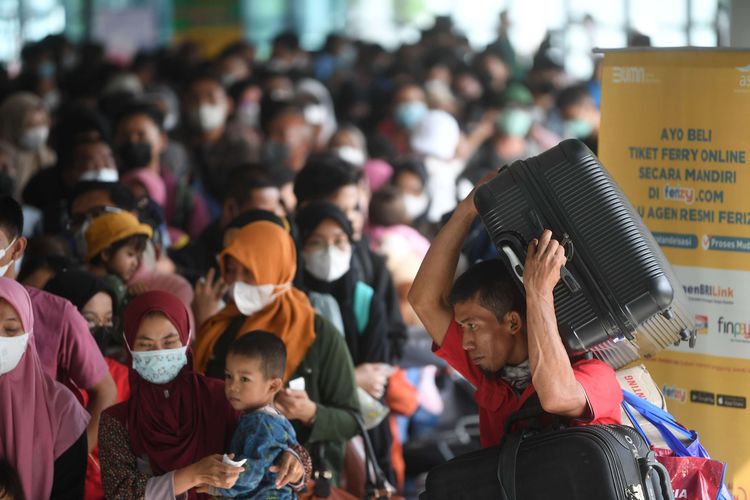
(163, 224)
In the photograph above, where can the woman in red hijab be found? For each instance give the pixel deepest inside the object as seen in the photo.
(168, 438)
(42, 425)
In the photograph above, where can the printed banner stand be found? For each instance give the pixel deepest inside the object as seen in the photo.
(675, 134)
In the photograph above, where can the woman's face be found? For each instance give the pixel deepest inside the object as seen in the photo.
(37, 118)
(409, 183)
(234, 271)
(98, 310)
(156, 333)
(328, 233)
(10, 322)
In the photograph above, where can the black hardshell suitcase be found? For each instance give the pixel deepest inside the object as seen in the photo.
(618, 297)
(596, 462)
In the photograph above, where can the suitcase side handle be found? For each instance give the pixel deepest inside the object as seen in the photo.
(515, 263)
(517, 267)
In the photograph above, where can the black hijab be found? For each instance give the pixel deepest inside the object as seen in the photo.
(79, 286)
(308, 219)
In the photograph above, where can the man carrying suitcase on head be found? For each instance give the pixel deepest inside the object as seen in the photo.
(507, 347)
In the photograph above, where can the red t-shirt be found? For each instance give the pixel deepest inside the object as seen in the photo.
(497, 400)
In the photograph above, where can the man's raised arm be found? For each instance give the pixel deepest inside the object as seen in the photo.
(429, 292)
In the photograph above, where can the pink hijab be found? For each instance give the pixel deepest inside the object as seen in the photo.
(153, 183)
(39, 418)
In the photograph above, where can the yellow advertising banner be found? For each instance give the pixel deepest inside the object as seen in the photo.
(211, 25)
(675, 135)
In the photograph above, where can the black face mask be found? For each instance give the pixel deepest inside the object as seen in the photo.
(134, 155)
(103, 336)
(275, 153)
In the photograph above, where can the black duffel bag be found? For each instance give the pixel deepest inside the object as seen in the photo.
(595, 462)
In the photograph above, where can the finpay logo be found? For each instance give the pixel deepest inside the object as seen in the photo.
(701, 324)
(738, 330)
(676, 393)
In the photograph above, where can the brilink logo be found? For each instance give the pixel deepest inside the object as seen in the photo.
(705, 290)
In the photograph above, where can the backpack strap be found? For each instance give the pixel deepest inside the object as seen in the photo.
(363, 294)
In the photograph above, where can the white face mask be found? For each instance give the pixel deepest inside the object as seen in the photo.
(4, 269)
(315, 114)
(159, 367)
(210, 116)
(415, 205)
(11, 351)
(329, 264)
(250, 299)
(351, 154)
(34, 138)
(103, 175)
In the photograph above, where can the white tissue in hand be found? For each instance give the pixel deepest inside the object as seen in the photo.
(229, 461)
(298, 384)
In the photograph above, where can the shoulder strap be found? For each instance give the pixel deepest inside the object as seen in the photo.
(506, 468)
(363, 294)
(531, 409)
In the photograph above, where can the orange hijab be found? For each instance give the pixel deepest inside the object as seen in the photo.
(268, 252)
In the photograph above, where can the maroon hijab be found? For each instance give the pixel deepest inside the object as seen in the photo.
(180, 422)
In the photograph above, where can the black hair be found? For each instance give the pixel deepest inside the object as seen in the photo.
(256, 215)
(244, 179)
(11, 217)
(136, 240)
(273, 106)
(78, 124)
(387, 207)
(378, 146)
(45, 252)
(238, 88)
(412, 165)
(322, 176)
(572, 96)
(119, 194)
(205, 72)
(10, 483)
(288, 40)
(490, 282)
(265, 346)
(140, 108)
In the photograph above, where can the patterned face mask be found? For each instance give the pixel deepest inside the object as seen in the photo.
(159, 367)
(518, 376)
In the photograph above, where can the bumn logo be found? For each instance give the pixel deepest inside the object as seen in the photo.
(628, 74)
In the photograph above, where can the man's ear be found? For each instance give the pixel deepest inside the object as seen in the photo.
(19, 248)
(515, 320)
